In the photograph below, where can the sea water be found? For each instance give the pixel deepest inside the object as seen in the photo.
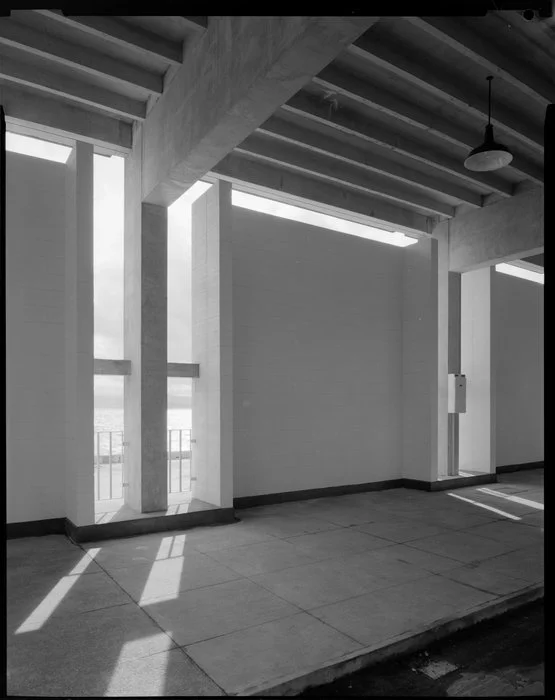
(111, 419)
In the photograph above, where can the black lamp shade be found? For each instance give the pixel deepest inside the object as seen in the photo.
(489, 156)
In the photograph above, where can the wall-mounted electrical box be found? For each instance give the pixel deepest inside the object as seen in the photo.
(456, 393)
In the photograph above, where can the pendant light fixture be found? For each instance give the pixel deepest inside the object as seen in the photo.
(490, 155)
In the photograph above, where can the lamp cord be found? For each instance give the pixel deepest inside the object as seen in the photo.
(489, 79)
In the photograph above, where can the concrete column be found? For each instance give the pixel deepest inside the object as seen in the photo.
(425, 341)
(454, 365)
(145, 345)
(212, 346)
(79, 335)
(477, 425)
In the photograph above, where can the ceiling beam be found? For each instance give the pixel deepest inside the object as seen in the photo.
(343, 174)
(325, 197)
(69, 54)
(499, 63)
(434, 81)
(46, 80)
(236, 75)
(335, 80)
(348, 122)
(346, 152)
(198, 24)
(501, 232)
(121, 34)
(47, 113)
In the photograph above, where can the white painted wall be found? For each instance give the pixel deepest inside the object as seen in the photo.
(424, 359)
(517, 323)
(212, 346)
(35, 215)
(478, 362)
(317, 323)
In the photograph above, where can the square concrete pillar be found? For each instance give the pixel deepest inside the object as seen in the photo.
(145, 345)
(79, 336)
(425, 355)
(477, 425)
(212, 425)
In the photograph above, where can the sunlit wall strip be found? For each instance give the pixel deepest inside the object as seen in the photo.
(516, 271)
(38, 148)
(306, 216)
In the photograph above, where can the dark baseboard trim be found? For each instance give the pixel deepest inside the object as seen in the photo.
(519, 467)
(267, 499)
(123, 528)
(273, 498)
(35, 528)
(146, 526)
(454, 483)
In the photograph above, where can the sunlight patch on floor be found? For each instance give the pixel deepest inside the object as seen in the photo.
(119, 678)
(514, 499)
(483, 505)
(48, 605)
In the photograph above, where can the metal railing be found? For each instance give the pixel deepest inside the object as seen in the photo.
(109, 463)
(179, 460)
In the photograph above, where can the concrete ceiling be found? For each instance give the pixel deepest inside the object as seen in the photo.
(383, 129)
(90, 77)
(393, 117)
(535, 260)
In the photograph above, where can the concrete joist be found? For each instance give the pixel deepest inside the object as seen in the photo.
(75, 56)
(389, 103)
(121, 34)
(432, 79)
(504, 231)
(344, 174)
(316, 142)
(352, 124)
(499, 63)
(234, 77)
(55, 83)
(31, 109)
(311, 193)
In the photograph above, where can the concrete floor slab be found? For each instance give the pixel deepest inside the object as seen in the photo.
(57, 556)
(400, 531)
(320, 583)
(208, 612)
(17, 549)
(433, 563)
(134, 551)
(282, 526)
(512, 533)
(459, 596)
(533, 519)
(270, 651)
(526, 563)
(378, 616)
(455, 518)
(385, 565)
(168, 674)
(506, 503)
(66, 596)
(241, 630)
(262, 557)
(461, 546)
(207, 539)
(58, 658)
(336, 543)
(485, 576)
(165, 578)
